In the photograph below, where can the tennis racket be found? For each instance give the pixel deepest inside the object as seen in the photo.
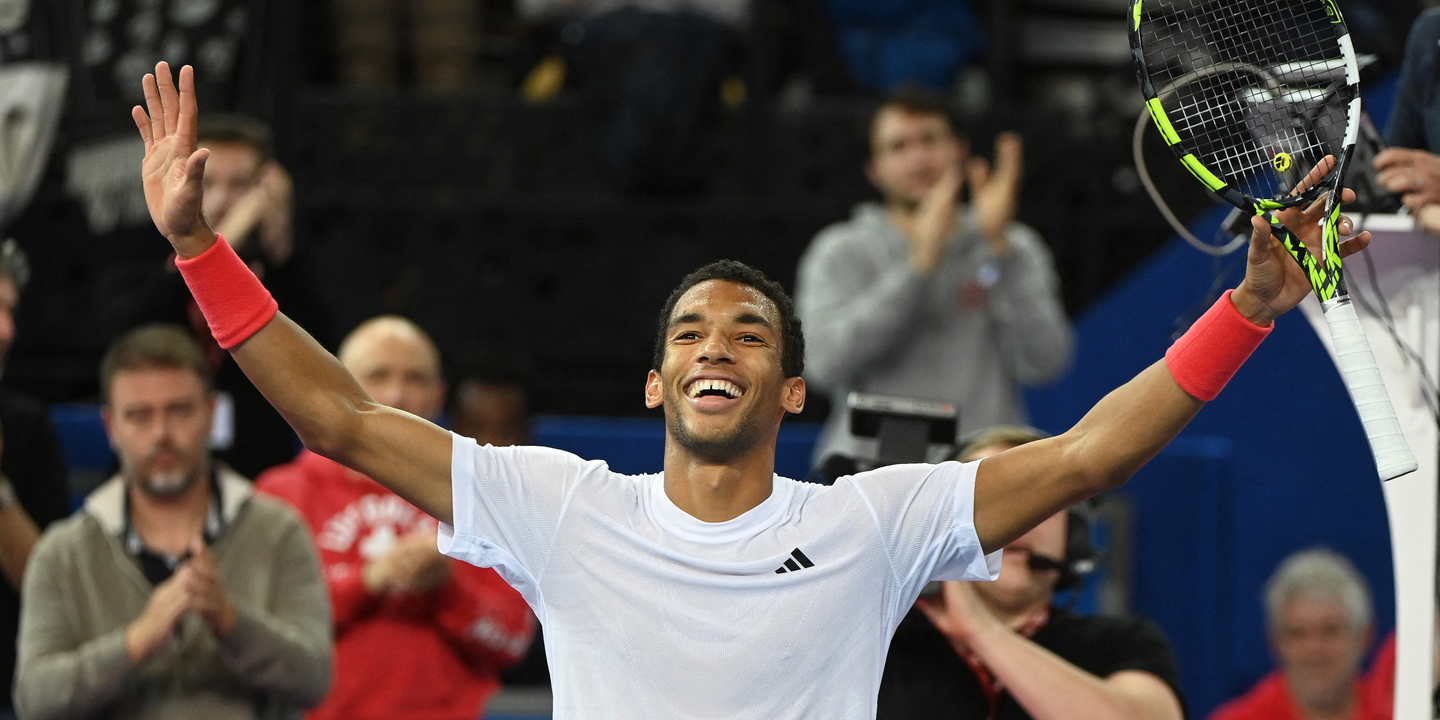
(1252, 95)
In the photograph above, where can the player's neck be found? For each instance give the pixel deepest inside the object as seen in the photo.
(717, 492)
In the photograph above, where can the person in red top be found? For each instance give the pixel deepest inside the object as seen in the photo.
(1321, 622)
(417, 634)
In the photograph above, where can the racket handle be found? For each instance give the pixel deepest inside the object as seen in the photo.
(1367, 390)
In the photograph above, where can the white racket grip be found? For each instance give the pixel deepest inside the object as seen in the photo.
(1367, 390)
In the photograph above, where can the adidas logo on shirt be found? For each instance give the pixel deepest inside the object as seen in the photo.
(797, 560)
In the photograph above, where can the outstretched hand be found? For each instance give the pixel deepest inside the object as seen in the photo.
(173, 169)
(1274, 283)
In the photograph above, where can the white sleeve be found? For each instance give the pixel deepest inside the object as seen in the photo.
(926, 518)
(508, 503)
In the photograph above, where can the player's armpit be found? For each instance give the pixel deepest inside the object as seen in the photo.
(1021, 487)
(335, 418)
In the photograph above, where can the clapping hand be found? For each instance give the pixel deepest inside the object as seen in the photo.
(994, 194)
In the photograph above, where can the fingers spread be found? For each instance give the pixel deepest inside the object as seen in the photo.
(1394, 156)
(1009, 153)
(977, 172)
(1315, 175)
(154, 105)
(169, 96)
(142, 123)
(1355, 244)
(195, 167)
(1397, 180)
(189, 112)
(1259, 238)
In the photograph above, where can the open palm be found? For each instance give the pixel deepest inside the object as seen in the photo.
(173, 169)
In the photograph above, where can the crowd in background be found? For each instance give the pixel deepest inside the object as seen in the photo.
(179, 586)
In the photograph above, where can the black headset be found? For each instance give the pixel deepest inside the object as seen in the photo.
(1081, 557)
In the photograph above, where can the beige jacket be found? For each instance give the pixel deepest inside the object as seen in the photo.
(82, 589)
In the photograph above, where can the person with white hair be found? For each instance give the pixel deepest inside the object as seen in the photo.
(1320, 621)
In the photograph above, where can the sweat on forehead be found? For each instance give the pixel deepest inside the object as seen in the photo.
(709, 298)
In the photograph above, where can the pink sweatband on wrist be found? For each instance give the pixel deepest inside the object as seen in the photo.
(1213, 349)
(232, 299)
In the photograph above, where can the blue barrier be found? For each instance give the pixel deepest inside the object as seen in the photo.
(630, 445)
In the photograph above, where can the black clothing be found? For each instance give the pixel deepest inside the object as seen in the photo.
(35, 464)
(925, 679)
(1415, 119)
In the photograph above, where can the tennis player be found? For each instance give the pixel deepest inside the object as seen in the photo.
(714, 588)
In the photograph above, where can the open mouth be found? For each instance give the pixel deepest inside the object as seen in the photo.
(713, 390)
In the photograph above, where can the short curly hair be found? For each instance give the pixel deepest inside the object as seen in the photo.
(792, 339)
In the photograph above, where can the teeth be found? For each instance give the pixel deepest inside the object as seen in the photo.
(730, 389)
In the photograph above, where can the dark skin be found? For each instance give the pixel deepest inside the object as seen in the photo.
(719, 329)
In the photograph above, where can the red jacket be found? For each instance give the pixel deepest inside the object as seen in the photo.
(1270, 700)
(434, 656)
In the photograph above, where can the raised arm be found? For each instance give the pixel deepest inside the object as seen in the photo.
(309, 387)
(1019, 488)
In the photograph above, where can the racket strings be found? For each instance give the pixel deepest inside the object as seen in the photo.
(1237, 79)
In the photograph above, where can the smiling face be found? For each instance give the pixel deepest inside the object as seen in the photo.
(721, 382)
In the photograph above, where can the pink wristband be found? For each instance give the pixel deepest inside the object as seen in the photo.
(1213, 349)
(232, 299)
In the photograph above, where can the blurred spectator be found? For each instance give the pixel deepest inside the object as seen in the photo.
(248, 200)
(175, 591)
(1002, 650)
(417, 634)
(33, 491)
(890, 43)
(493, 413)
(922, 297)
(650, 72)
(1411, 168)
(1318, 613)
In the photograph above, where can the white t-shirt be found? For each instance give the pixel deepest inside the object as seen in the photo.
(783, 612)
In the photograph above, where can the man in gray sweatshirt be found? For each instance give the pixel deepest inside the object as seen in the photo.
(175, 592)
(922, 297)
